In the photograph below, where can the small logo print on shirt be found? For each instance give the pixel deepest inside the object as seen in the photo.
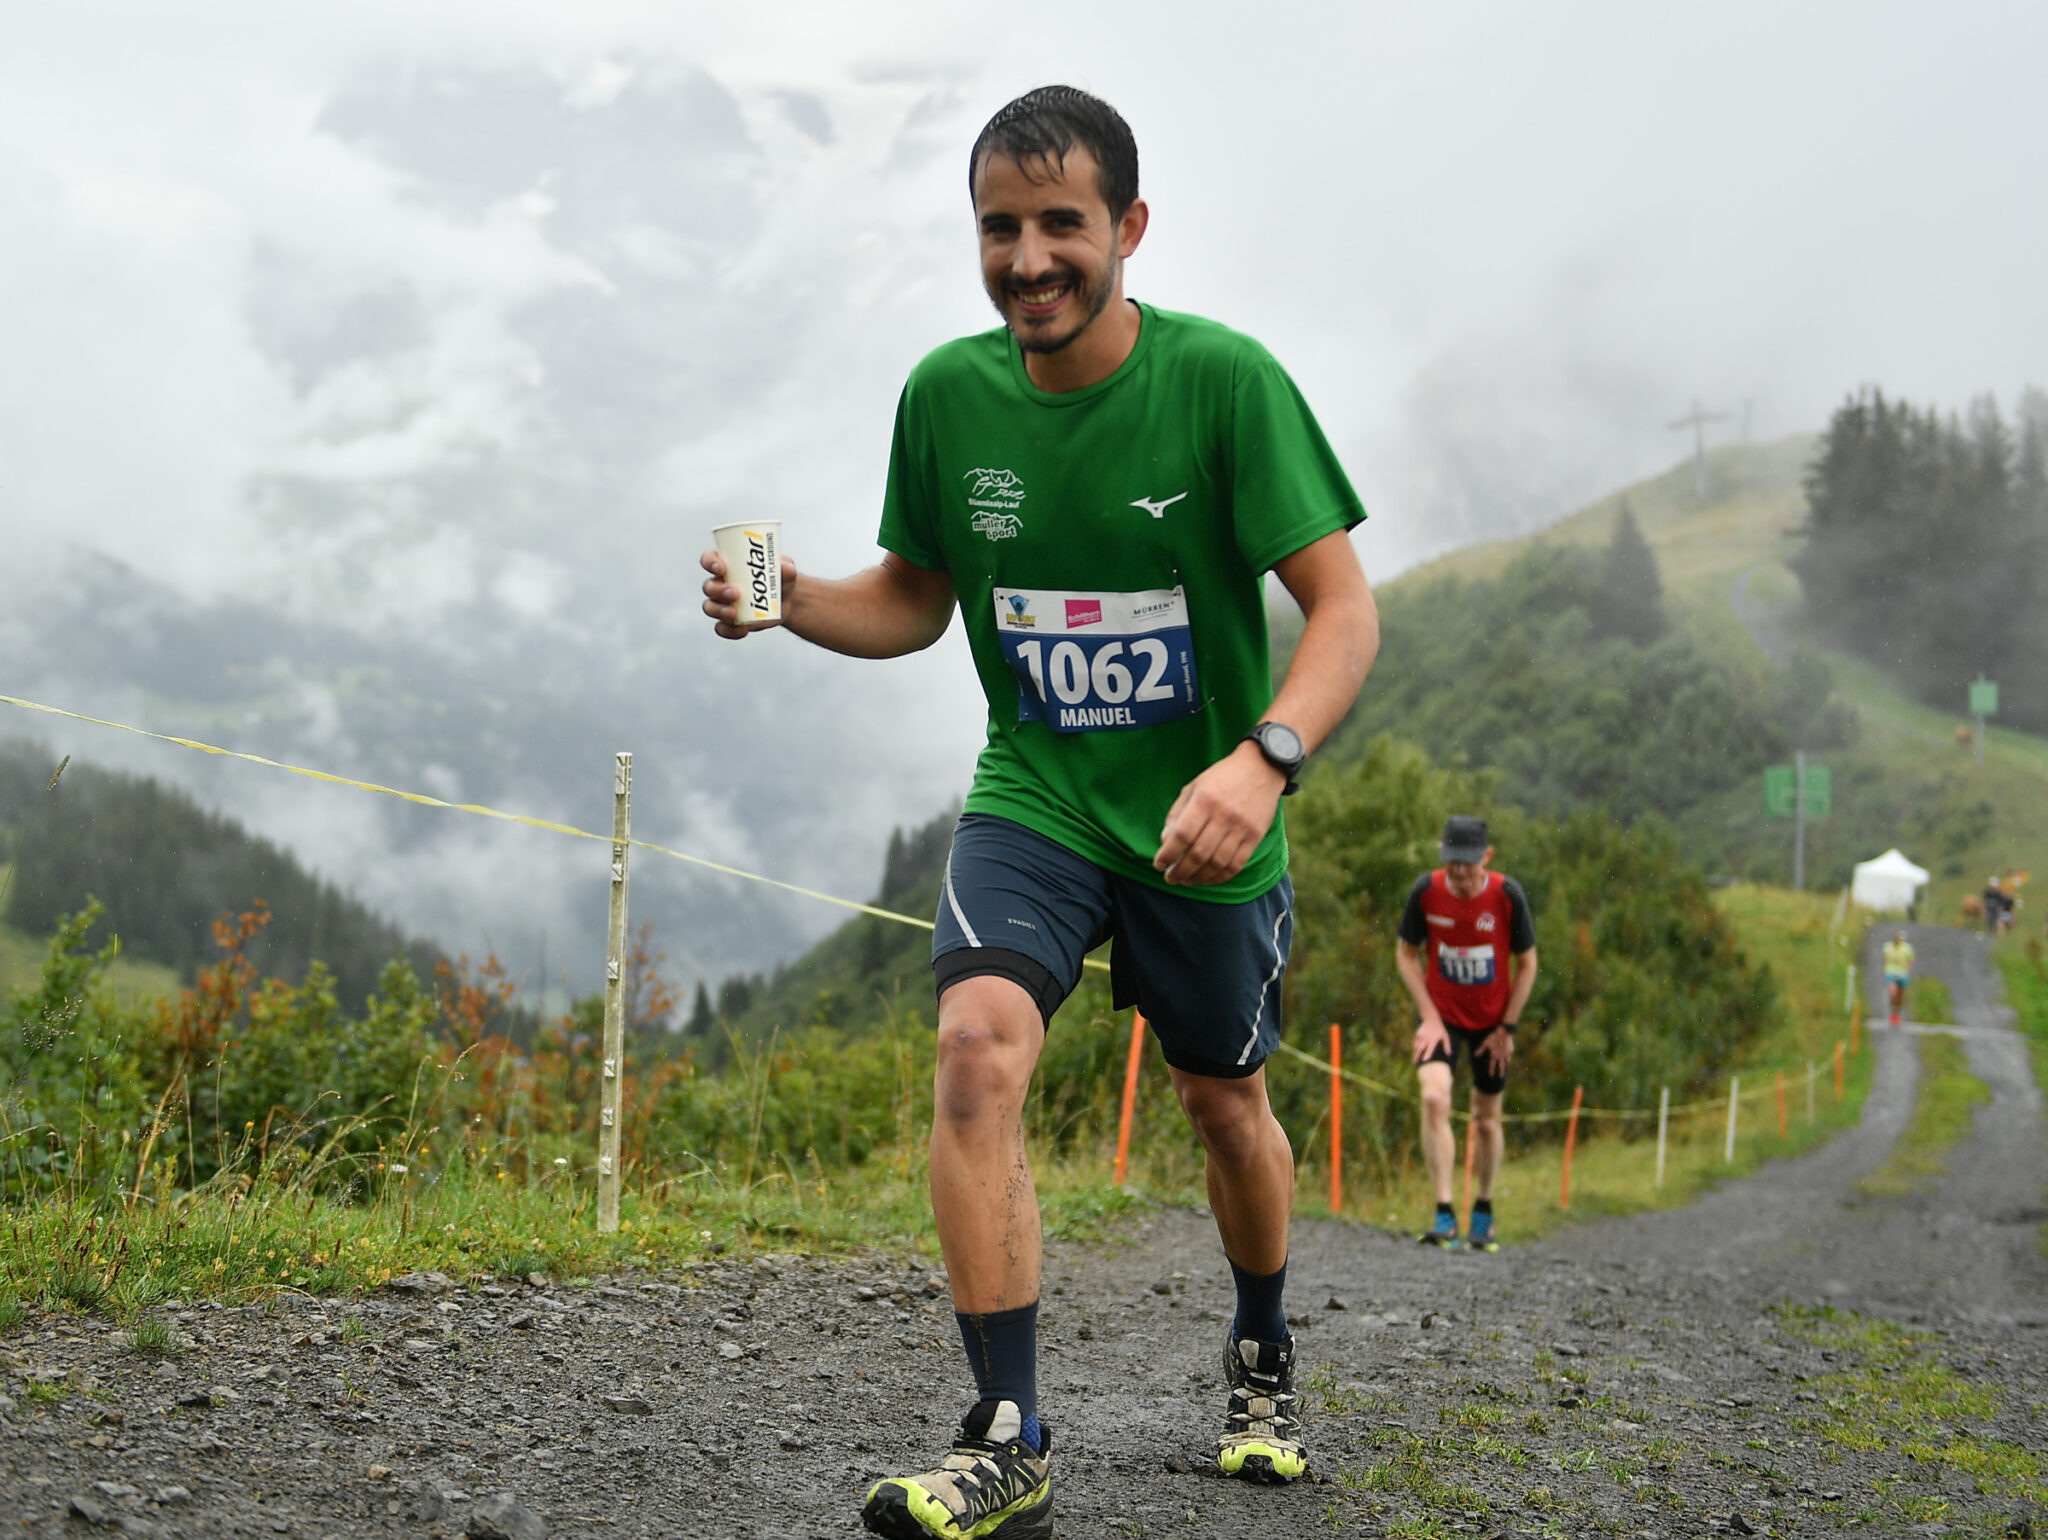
(1025, 923)
(995, 495)
(1084, 612)
(1439, 919)
(1485, 922)
(1157, 509)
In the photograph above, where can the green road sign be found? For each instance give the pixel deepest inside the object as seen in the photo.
(1820, 792)
(1780, 785)
(1778, 790)
(1983, 698)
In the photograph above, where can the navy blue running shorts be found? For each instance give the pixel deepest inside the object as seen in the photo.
(1207, 976)
(1466, 1040)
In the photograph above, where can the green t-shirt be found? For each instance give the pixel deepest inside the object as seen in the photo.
(1107, 545)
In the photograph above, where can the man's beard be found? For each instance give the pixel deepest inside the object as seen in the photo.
(1094, 298)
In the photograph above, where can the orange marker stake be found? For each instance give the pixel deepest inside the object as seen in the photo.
(1781, 1104)
(1123, 1127)
(1571, 1138)
(1336, 1119)
(1838, 1069)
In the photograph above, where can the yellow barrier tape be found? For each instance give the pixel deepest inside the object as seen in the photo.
(421, 799)
(1767, 1088)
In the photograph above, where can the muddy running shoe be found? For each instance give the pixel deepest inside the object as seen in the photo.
(1479, 1234)
(1444, 1232)
(1261, 1438)
(993, 1486)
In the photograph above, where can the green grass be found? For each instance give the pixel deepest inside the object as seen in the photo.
(1928, 1002)
(246, 1235)
(21, 964)
(2024, 962)
(1942, 1113)
(1899, 1397)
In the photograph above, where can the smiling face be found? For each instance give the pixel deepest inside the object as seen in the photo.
(1051, 255)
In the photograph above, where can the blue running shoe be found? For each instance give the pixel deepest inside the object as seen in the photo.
(1443, 1233)
(1479, 1235)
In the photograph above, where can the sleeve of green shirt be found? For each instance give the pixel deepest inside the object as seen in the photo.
(1287, 489)
(909, 522)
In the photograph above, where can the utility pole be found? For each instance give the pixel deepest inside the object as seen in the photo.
(1697, 420)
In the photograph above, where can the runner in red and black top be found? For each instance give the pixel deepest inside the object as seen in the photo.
(1468, 957)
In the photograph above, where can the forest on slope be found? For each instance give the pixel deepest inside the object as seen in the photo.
(165, 870)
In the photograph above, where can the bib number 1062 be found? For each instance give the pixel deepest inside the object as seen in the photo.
(1089, 661)
(1073, 677)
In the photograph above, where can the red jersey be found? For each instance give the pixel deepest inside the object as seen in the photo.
(1466, 943)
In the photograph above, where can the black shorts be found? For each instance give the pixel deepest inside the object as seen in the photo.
(1207, 976)
(1466, 1040)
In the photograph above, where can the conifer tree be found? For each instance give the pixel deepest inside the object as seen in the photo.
(1629, 600)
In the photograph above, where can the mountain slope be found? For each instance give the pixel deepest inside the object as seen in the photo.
(1901, 778)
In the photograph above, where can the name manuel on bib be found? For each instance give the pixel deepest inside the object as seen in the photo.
(1097, 716)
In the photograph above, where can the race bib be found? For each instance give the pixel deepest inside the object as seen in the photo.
(1085, 662)
(1465, 964)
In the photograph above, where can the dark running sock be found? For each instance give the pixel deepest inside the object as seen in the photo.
(1482, 1205)
(1260, 1314)
(1445, 1208)
(1002, 1349)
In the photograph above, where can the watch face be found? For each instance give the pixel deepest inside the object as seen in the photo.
(1283, 741)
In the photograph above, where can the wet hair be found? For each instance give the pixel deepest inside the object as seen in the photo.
(1046, 124)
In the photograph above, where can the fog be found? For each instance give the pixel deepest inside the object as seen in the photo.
(370, 375)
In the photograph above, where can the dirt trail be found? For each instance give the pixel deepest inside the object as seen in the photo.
(1632, 1376)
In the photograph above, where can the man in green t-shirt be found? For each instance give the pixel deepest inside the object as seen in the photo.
(1099, 487)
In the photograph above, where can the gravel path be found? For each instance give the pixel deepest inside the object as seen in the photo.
(1667, 1374)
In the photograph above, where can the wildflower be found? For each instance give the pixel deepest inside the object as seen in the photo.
(401, 1170)
(561, 1160)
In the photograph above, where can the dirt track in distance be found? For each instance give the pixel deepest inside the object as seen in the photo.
(1639, 1376)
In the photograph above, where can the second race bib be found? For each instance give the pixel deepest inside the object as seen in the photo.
(1465, 964)
(1087, 661)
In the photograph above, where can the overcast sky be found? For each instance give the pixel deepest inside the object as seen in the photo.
(388, 310)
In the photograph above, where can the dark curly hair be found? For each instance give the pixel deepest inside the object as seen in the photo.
(1045, 124)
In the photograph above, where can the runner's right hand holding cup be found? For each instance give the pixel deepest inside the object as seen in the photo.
(744, 591)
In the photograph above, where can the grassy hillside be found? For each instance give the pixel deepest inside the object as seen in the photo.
(1902, 779)
(21, 964)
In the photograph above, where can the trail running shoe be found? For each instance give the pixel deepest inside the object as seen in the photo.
(1444, 1232)
(993, 1486)
(1261, 1436)
(1479, 1234)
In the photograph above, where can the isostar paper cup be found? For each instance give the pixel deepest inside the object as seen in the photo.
(753, 565)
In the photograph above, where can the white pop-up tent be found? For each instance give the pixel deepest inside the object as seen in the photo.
(1888, 883)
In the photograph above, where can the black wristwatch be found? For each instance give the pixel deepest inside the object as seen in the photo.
(1283, 749)
(1508, 1027)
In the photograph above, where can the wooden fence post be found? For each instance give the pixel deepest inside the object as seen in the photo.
(1781, 1104)
(1838, 1069)
(1663, 1121)
(1734, 1100)
(609, 1104)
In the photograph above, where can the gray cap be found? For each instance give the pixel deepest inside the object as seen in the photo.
(1464, 839)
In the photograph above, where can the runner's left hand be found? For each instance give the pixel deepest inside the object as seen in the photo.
(1499, 1047)
(1219, 818)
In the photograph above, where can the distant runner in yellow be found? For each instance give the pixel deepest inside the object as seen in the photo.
(1898, 971)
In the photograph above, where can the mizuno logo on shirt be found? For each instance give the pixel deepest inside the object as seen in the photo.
(1158, 509)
